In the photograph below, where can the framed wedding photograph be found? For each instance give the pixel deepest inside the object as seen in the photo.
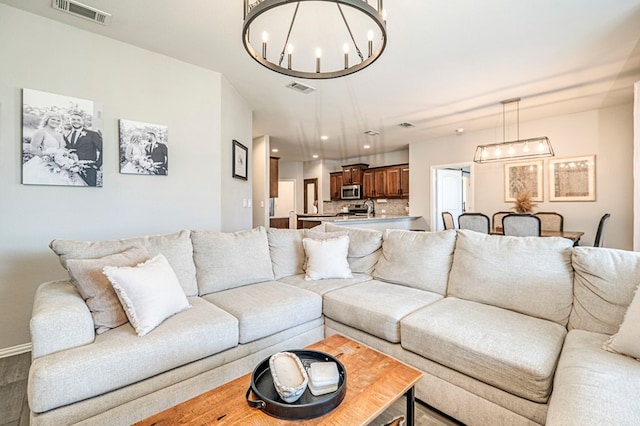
(572, 179)
(240, 161)
(143, 148)
(521, 176)
(61, 140)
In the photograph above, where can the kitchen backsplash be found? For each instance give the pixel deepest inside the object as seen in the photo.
(391, 206)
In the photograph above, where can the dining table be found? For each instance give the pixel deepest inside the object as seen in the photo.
(572, 235)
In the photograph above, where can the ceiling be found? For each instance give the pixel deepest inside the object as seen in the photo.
(447, 65)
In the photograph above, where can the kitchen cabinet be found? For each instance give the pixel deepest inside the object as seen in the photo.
(335, 185)
(352, 174)
(273, 177)
(398, 181)
(374, 183)
(279, 222)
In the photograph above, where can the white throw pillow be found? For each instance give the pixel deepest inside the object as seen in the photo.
(149, 292)
(327, 258)
(627, 340)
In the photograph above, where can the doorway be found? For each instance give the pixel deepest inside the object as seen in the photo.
(311, 196)
(451, 192)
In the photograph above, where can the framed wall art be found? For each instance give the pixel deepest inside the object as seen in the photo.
(240, 161)
(521, 176)
(61, 140)
(572, 179)
(143, 148)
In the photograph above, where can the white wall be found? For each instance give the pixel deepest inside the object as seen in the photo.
(260, 190)
(237, 119)
(294, 170)
(132, 84)
(607, 133)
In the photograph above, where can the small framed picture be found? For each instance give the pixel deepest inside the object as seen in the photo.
(572, 179)
(240, 160)
(521, 176)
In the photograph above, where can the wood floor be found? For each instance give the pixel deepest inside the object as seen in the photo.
(14, 410)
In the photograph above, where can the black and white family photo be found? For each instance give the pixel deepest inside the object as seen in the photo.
(143, 148)
(61, 140)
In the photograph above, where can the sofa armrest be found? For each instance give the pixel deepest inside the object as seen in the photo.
(60, 319)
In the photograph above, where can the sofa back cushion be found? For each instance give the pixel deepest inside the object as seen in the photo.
(286, 251)
(604, 285)
(176, 248)
(420, 260)
(365, 247)
(530, 275)
(228, 260)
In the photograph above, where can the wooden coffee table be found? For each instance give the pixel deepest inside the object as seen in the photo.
(374, 382)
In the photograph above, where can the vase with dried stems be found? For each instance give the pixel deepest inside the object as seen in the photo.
(524, 203)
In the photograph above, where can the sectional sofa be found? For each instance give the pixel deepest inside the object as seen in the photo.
(506, 330)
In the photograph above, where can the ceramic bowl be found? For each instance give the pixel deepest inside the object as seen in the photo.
(289, 376)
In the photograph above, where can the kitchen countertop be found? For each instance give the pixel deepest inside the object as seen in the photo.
(376, 218)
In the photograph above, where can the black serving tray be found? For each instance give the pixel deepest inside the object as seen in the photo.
(308, 406)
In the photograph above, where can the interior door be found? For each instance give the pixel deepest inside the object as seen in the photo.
(449, 195)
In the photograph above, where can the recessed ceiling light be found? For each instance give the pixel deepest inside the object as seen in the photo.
(367, 146)
(324, 137)
(315, 156)
(459, 130)
(274, 150)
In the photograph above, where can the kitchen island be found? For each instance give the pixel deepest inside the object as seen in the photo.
(379, 222)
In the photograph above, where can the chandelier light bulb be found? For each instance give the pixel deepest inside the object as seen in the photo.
(318, 52)
(318, 55)
(540, 146)
(484, 153)
(498, 152)
(289, 52)
(511, 151)
(384, 14)
(526, 147)
(265, 37)
(290, 49)
(370, 42)
(345, 48)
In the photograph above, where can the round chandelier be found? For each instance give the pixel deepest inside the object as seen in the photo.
(314, 39)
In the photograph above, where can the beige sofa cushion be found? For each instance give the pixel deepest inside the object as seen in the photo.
(364, 247)
(286, 251)
(120, 357)
(513, 352)
(417, 259)
(376, 307)
(227, 260)
(97, 291)
(605, 280)
(530, 275)
(592, 386)
(175, 247)
(267, 308)
(323, 286)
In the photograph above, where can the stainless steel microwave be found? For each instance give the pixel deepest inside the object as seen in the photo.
(351, 192)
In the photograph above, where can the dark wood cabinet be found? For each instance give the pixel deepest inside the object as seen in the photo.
(352, 174)
(335, 185)
(273, 177)
(279, 222)
(398, 181)
(374, 183)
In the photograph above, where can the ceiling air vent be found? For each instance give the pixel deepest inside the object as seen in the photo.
(372, 132)
(301, 87)
(82, 11)
(407, 125)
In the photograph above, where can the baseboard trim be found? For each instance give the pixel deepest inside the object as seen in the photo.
(15, 350)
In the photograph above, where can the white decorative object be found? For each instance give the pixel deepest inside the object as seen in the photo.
(627, 340)
(323, 378)
(289, 376)
(327, 258)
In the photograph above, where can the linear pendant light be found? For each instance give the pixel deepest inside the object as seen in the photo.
(513, 150)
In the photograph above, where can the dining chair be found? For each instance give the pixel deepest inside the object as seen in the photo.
(475, 222)
(599, 240)
(521, 225)
(496, 220)
(551, 221)
(449, 223)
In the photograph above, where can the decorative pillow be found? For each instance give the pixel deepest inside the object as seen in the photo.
(365, 247)
(96, 290)
(149, 292)
(327, 258)
(287, 253)
(175, 247)
(627, 340)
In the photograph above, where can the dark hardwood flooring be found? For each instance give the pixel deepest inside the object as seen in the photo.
(14, 410)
